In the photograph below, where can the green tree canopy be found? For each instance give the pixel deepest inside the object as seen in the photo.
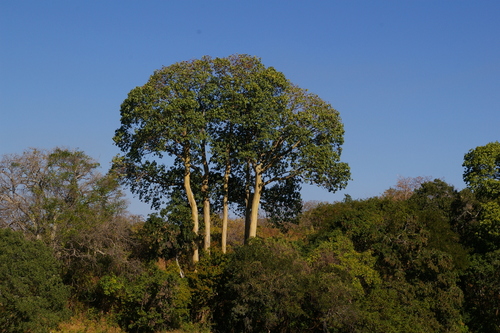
(482, 175)
(226, 128)
(482, 170)
(418, 257)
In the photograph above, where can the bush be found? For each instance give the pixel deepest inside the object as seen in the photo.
(32, 295)
(263, 290)
(152, 301)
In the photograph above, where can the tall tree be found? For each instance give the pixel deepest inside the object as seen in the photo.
(230, 122)
(166, 118)
(278, 132)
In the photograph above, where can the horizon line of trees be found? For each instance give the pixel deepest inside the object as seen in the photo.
(420, 257)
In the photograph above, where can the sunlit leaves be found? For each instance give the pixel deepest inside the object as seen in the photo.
(482, 169)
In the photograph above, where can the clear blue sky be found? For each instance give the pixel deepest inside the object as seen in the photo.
(417, 83)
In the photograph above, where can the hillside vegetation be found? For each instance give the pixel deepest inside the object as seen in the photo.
(219, 148)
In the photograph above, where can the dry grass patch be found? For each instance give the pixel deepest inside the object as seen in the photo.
(81, 324)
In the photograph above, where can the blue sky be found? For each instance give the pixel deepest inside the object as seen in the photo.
(417, 83)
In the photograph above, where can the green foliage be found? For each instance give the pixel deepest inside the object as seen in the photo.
(263, 289)
(154, 300)
(489, 220)
(283, 203)
(394, 306)
(167, 235)
(32, 295)
(480, 225)
(339, 279)
(435, 203)
(338, 255)
(482, 287)
(465, 221)
(480, 222)
(410, 258)
(205, 284)
(482, 175)
(271, 285)
(482, 170)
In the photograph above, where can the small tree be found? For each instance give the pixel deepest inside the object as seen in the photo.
(50, 195)
(405, 187)
(167, 118)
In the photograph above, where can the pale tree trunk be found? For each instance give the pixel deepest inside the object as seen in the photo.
(254, 213)
(206, 220)
(192, 204)
(225, 208)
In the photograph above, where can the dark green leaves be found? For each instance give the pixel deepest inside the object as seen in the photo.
(32, 296)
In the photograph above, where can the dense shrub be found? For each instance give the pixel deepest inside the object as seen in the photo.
(273, 286)
(482, 290)
(154, 300)
(32, 295)
(263, 289)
